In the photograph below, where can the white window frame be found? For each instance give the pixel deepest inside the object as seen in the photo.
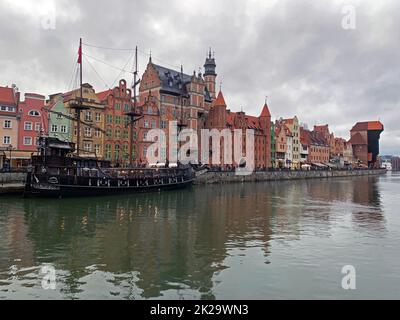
(7, 121)
(9, 140)
(28, 144)
(54, 126)
(26, 123)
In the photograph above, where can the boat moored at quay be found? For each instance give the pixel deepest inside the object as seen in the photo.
(57, 172)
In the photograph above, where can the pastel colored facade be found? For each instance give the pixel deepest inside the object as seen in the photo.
(59, 126)
(91, 140)
(9, 121)
(319, 151)
(117, 140)
(294, 127)
(221, 118)
(273, 146)
(9, 103)
(305, 146)
(365, 138)
(348, 156)
(33, 122)
(289, 149)
(318, 147)
(280, 146)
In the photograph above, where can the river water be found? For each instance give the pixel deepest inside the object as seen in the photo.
(273, 240)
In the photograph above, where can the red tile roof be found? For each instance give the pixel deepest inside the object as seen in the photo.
(220, 100)
(104, 95)
(7, 96)
(368, 125)
(265, 112)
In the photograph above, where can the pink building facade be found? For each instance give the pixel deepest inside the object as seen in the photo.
(33, 121)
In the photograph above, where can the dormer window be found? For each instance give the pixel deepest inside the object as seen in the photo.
(34, 113)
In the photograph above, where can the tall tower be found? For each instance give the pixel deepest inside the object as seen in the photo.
(209, 75)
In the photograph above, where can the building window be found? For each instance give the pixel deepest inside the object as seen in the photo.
(153, 124)
(116, 152)
(88, 132)
(109, 118)
(54, 128)
(98, 117)
(109, 133)
(88, 116)
(7, 109)
(6, 140)
(97, 149)
(28, 126)
(87, 146)
(34, 113)
(97, 133)
(117, 119)
(7, 124)
(117, 134)
(108, 151)
(146, 123)
(145, 136)
(126, 134)
(126, 120)
(163, 124)
(27, 141)
(117, 106)
(38, 125)
(145, 152)
(63, 129)
(125, 152)
(127, 107)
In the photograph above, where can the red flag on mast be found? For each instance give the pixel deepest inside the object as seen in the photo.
(80, 54)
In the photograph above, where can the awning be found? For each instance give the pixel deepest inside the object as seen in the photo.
(319, 165)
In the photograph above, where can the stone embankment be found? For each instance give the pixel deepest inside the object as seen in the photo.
(231, 177)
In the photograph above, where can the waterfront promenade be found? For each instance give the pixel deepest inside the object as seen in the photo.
(13, 183)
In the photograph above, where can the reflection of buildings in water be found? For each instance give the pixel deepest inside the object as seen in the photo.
(170, 240)
(179, 239)
(15, 247)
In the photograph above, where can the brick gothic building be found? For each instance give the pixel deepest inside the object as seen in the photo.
(221, 118)
(168, 95)
(116, 142)
(365, 141)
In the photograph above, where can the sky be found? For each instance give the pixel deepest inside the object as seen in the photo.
(328, 62)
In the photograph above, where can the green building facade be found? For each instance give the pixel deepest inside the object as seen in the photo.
(59, 126)
(273, 145)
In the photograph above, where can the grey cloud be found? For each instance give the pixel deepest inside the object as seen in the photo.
(293, 51)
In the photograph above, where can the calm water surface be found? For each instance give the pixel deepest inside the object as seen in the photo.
(251, 241)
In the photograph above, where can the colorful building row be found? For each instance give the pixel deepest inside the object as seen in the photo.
(167, 95)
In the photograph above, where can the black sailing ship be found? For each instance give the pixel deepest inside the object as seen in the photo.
(59, 170)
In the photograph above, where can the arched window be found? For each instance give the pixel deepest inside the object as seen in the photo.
(34, 113)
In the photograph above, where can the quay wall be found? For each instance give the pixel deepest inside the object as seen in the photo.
(230, 177)
(12, 177)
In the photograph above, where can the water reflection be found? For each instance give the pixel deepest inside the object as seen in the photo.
(172, 244)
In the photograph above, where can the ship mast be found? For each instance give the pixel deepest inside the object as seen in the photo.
(133, 114)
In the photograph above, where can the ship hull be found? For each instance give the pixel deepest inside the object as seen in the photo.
(89, 187)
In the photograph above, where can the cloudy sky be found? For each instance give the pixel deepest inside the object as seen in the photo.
(319, 60)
